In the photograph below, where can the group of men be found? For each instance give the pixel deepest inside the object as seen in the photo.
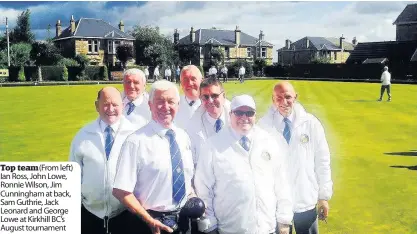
(167, 74)
(147, 154)
(224, 73)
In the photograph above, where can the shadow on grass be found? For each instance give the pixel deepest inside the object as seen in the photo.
(414, 168)
(411, 153)
(364, 100)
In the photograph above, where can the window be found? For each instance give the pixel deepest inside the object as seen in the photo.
(263, 52)
(112, 46)
(92, 46)
(249, 52)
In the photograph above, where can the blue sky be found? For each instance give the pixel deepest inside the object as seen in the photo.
(367, 21)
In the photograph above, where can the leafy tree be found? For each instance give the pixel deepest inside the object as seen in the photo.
(20, 54)
(45, 54)
(259, 65)
(124, 53)
(151, 47)
(84, 62)
(22, 31)
(216, 57)
(188, 54)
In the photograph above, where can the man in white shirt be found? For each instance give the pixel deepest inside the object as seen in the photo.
(156, 73)
(96, 148)
(242, 72)
(223, 72)
(213, 71)
(190, 101)
(146, 72)
(154, 173)
(241, 177)
(385, 84)
(211, 117)
(135, 98)
(168, 74)
(308, 161)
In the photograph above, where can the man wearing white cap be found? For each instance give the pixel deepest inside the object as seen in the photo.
(241, 178)
(385, 84)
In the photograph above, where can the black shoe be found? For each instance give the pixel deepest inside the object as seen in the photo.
(379, 100)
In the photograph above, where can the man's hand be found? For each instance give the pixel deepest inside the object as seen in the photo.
(156, 227)
(283, 228)
(323, 209)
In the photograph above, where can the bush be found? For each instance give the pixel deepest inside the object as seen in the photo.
(21, 77)
(64, 75)
(104, 73)
(53, 73)
(67, 62)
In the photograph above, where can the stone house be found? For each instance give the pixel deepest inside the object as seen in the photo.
(307, 49)
(235, 45)
(92, 37)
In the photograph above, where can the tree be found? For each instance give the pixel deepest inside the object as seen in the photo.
(320, 60)
(152, 47)
(124, 53)
(259, 65)
(216, 57)
(19, 54)
(22, 31)
(45, 54)
(188, 54)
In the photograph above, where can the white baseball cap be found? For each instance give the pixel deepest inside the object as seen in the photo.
(242, 100)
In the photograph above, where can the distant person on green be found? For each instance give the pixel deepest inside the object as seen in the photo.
(96, 148)
(385, 84)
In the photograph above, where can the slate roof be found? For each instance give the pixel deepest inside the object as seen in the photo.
(94, 28)
(394, 51)
(322, 43)
(409, 14)
(221, 37)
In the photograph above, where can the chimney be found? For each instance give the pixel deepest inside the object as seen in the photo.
(192, 35)
(237, 36)
(58, 28)
(72, 23)
(287, 44)
(261, 36)
(307, 43)
(354, 41)
(176, 36)
(121, 26)
(341, 42)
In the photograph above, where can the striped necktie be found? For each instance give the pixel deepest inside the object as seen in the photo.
(244, 142)
(109, 140)
(191, 103)
(178, 180)
(287, 130)
(218, 125)
(131, 108)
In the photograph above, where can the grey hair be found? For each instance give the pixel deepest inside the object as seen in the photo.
(135, 71)
(163, 85)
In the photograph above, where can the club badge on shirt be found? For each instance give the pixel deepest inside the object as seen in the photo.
(266, 156)
(304, 138)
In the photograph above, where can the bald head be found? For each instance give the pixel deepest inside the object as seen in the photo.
(109, 105)
(191, 78)
(283, 97)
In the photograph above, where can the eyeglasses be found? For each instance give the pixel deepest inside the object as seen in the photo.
(212, 96)
(239, 113)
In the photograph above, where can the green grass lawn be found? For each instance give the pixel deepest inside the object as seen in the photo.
(373, 144)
